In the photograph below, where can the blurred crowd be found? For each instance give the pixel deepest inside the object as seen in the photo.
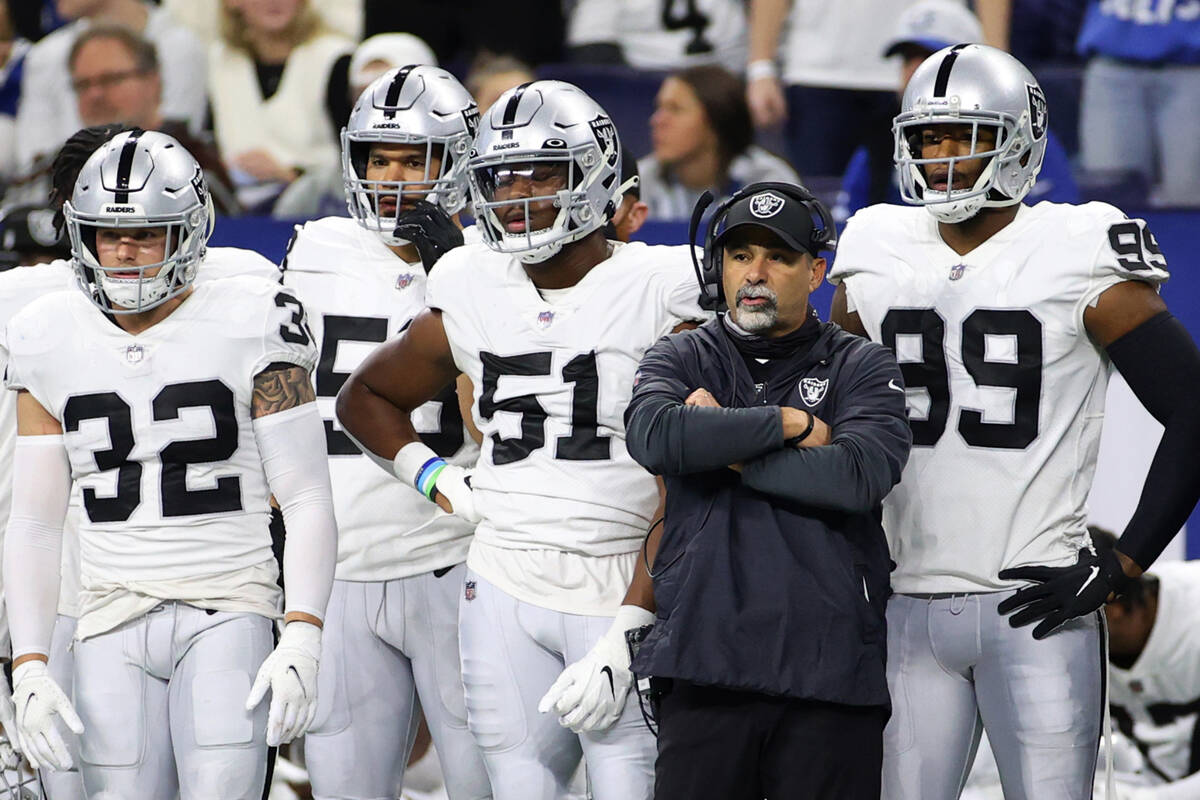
(708, 94)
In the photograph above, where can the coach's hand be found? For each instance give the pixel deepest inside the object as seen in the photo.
(1063, 593)
(590, 694)
(37, 700)
(290, 672)
(431, 231)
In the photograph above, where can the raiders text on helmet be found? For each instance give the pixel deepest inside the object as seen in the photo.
(139, 179)
(980, 86)
(414, 105)
(546, 123)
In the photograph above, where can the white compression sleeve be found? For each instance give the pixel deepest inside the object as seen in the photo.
(292, 446)
(33, 541)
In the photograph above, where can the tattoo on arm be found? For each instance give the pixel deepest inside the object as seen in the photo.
(280, 387)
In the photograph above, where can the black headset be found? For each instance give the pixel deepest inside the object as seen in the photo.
(708, 273)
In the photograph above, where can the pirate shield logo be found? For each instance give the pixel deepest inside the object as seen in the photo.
(766, 204)
(812, 390)
(1037, 111)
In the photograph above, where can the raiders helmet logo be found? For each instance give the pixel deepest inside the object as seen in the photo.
(1037, 111)
(766, 204)
(606, 136)
(812, 390)
(471, 120)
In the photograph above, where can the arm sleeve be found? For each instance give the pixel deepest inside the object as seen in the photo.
(1160, 362)
(292, 447)
(871, 441)
(669, 438)
(33, 540)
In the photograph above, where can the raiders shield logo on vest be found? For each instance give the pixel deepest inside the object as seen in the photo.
(812, 390)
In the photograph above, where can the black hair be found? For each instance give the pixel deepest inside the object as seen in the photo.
(723, 96)
(71, 157)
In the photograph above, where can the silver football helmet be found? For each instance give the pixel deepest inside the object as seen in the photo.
(545, 124)
(419, 105)
(980, 86)
(139, 179)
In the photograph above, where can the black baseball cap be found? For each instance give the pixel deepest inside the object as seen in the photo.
(782, 214)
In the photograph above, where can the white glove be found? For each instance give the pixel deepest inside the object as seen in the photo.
(37, 700)
(290, 672)
(589, 695)
(452, 482)
(9, 757)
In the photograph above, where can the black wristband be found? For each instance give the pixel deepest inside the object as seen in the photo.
(800, 437)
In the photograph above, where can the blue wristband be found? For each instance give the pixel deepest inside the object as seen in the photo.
(426, 481)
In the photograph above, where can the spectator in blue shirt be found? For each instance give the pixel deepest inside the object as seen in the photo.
(922, 30)
(1141, 95)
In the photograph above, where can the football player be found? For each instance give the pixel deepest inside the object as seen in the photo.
(178, 409)
(549, 320)
(19, 287)
(392, 635)
(1005, 318)
(1154, 659)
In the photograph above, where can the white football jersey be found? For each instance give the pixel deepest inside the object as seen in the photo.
(157, 425)
(359, 293)
(552, 381)
(1160, 694)
(664, 34)
(1005, 389)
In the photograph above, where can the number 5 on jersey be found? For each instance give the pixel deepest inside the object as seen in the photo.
(583, 443)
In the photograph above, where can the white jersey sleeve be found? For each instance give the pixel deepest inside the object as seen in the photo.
(359, 294)
(552, 381)
(1157, 700)
(158, 429)
(230, 262)
(1005, 388)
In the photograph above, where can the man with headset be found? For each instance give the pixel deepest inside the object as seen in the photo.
(778, 436)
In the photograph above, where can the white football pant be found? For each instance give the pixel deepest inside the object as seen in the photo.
(955, 667)
(511, 653)
(390, 648)
(162, 699)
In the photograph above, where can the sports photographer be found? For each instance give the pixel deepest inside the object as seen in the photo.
(778, 436)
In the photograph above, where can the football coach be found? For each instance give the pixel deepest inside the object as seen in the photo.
(778, 435)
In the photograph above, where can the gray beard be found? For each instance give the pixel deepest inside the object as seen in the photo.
(755, 321)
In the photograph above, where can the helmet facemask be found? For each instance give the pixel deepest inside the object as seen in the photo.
(142, 287)
(442, 185)
(571, 194)
(998, 183)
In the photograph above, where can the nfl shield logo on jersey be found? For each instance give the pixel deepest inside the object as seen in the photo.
(812, 390)
(469, 591)
(766, 205)
(545, 319)
(957, 271)
(134, 354)
(404, 280)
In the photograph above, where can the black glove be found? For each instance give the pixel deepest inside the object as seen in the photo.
(431, 230)
(1063, 593)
